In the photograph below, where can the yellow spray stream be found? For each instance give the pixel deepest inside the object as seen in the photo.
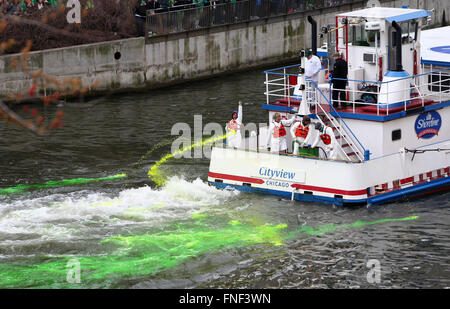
(155, 174)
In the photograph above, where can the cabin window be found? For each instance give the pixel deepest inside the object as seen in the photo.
(409, 35)
(373, 37)
(410, 30)
(396, 135)
(439, 82)
(358, 36)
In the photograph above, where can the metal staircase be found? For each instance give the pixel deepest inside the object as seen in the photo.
(350, 147)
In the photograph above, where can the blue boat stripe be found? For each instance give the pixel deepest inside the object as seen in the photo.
(378, 199)
(436, 63)
(278, 108)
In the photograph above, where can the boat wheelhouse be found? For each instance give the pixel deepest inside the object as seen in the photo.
(393, 136)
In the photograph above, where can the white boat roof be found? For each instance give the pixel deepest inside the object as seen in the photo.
(389, 14)
(436, 46)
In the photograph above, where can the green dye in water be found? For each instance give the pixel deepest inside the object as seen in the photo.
(57, 183)
(141, 255)
(323, 229)
(148, 254)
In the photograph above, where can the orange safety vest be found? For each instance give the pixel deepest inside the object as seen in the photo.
(279, 131)
(301, 131)
(326, 139)
(233, 125)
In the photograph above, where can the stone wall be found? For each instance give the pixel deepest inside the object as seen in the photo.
(134, 64)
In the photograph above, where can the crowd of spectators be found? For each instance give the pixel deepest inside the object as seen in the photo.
(19, 7)
(44, 23)
(104, 20)
(161, 6)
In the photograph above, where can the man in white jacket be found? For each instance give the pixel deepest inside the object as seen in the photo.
(327, 140)
(313, 66)
(233, 128)
(276, 136)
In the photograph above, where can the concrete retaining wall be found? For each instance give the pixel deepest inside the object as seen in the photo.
(181, 57)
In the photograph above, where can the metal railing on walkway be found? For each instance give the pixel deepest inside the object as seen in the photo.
(219, 13)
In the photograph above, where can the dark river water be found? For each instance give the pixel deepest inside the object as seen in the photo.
(126, 232)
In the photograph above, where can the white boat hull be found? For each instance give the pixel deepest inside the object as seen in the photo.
(385, 179)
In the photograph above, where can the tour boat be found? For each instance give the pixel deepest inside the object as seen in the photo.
(394, 134)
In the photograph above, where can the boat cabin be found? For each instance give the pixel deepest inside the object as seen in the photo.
(389, 85)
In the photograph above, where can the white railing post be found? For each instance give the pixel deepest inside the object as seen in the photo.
(404, 103)
(353, 101)
(422, 97)
(387, 99)
(267, 88)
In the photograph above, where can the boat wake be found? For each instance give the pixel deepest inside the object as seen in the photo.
(82, 214)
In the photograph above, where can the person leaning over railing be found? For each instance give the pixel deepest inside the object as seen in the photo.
(39, 4)
(199, 3)
(7, 7)
(140, 13)
(42, 4)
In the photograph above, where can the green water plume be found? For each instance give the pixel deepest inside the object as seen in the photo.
(155, 174)
(57, 183)
(143, 255)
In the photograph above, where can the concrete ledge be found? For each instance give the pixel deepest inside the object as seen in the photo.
(171, 59)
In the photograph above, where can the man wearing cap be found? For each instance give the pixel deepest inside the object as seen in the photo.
(299, 132)
(312, 69)
(312, 66)
(340, 72)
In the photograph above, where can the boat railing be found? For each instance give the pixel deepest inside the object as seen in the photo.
(279, 83)
(362, 96)
(419, 90)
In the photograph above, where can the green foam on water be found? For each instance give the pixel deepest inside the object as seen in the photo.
(57, 183)
(326, 228)
(199, 216)
(141, 255)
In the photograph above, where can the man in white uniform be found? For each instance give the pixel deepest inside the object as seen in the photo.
(299, 131)
(233, 128)
(276, 136)
(326, 138)
(313, 66)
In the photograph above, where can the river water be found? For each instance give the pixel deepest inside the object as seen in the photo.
(126, 232)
